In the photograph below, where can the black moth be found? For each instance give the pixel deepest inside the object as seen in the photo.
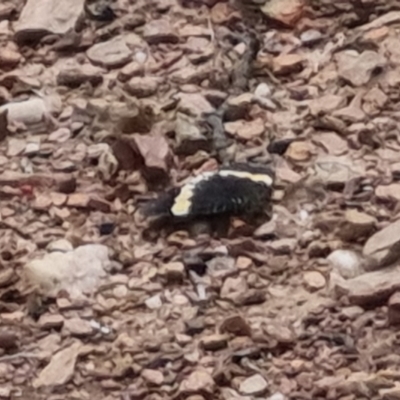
(234, 190)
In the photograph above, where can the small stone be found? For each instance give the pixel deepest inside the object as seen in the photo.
(160, 31)
(9, 58)
(78, 327)
(15, 147)
(352, 312)
(51, 321)
(67, 185)
(240, 103)
(256, 385)
(42, 202)
(358, 68)
(182, 339)
(142, 86)
(326, 104)
(194, 104)
(357, 225)
(314, 280)
(392, 393)
(5, 392)
(337, 170)
(61, 135)
(277, 396)
(388, 192)
(60, 369)
(64, 304)
(58, 199)
(287, 12)
(346, 262)
(283, 246)
(243, 262)
(75, 75)
(173, 271)
(156, 155)
(376, 99)
(287, 63)
(154, 302)
(78, 200)
(214, 342)
(62, 245)
(311, 37)
(188, 136)
(299, 151)
(195, 326)
(199, 381)
(130, 70)
(350, 114)
(7, 276)
(250, 297)
(381, 249)
(332, 143)
(236, 325)
(280, 332)
(245, 130)
(32, 149)
(6, 10)
(113, 53)
(263, 91)
(153, 377)
(378, 34)
(132, 119)
(8, 339)
(394, 309)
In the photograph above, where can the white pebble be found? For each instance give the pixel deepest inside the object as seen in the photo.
(141, 57)
(277, 396)
(303, 215)
(154, 302)
(263, 91)
(346, 262)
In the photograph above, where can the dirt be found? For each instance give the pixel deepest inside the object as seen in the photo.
(103, 104)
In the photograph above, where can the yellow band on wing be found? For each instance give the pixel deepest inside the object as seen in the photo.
(262, 178)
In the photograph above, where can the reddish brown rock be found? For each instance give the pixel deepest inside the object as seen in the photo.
(155, 153)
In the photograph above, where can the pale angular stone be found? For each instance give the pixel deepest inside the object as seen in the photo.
(40, 17)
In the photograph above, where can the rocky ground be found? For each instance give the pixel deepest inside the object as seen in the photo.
(97, 115)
